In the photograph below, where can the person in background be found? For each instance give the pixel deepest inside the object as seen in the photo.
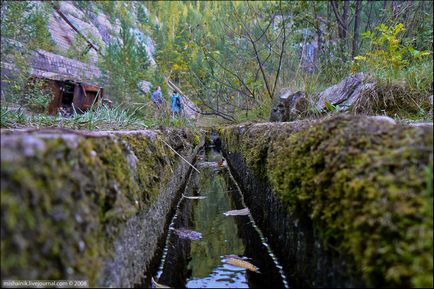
(176, 104)
(157, 99)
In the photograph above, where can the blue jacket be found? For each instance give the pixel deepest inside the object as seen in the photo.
(176, 107)
(157, 97)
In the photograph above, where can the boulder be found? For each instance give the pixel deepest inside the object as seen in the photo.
(342, 96)
(144, 86)
(289, 106)
(345, 93)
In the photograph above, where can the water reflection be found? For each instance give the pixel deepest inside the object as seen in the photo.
(198, 264)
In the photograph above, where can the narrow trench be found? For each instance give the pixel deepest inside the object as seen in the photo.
(193, 262)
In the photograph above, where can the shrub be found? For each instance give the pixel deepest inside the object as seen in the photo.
(388, 52)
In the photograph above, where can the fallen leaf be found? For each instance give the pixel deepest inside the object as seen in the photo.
(213, 165)
(188, 234)
(241, 212)
(194, 197)
(237, 261)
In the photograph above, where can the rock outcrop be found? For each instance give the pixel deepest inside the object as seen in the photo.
(94, 24)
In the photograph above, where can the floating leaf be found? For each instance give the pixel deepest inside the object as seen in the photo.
(237, 261)
(188, 234)
(194, 197)
(157, 285)
(241, 212)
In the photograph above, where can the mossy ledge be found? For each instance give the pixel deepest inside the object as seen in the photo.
(88, 205)
(345, 201)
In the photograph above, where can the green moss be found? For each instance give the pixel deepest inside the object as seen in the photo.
(64, 206)
(253, 141)
(152, 158)
(197, 139)
(362, 182)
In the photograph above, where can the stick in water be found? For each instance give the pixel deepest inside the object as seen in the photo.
(180, 156)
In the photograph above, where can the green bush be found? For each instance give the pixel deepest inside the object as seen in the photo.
(388, 51)
(36, 97)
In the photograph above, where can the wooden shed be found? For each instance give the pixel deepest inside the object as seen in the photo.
(72, 84)
(69, 95)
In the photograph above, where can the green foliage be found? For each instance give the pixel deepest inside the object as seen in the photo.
(127, 61)
(11, 118)
(403, 74)
(16, 83)
(36, 97)
(406, 94)
(207, 60)
(388, 52)
(27, 22)
(21, 89)
(108, 7)
(259, 112)
(106, 118)
(78, 50)
(24, 28)
(102, 118)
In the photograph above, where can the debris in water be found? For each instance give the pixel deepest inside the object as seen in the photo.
(188, 234)
(212, 165)
(241, 212)
(239, 262)
(194, 197)
(222, 163)
(157, 285)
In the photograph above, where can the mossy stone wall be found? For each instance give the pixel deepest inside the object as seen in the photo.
(363, 184)
(69, 199)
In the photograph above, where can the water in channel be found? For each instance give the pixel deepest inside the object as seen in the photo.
(200, 263)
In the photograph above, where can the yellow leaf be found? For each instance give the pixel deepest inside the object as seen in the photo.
(241, 263)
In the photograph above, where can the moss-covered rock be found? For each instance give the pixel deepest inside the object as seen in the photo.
(65, 198)
(365, 183)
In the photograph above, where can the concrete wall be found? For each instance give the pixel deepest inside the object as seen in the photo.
(340, 199)
(88, 205)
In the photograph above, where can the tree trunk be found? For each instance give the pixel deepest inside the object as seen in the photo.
(342, 21)
(345, 19)
(395, 9)
(335, 6)
(384, 16)
(368, 22)
(356, 29)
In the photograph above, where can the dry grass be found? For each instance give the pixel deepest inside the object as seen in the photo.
(395, 99)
